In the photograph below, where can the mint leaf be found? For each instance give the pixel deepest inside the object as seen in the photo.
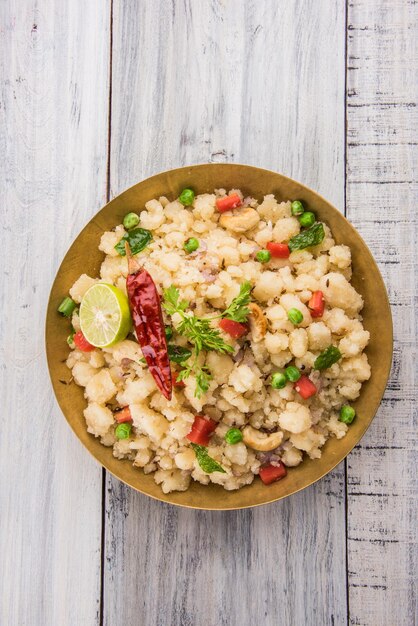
(207, 464)
(138, 239)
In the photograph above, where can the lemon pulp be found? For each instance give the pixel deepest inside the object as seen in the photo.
(105, 318)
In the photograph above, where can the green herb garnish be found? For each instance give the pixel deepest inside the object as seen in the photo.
(70, 338)
(207, 464)
(178, 354)
(203, 377)
(307, 238)
(138, 239)
(238, 309)
(201, 335)
(327, 358)
(197, 329)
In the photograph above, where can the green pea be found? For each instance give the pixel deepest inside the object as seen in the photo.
(278, 380)
(234, 435)
(187, 197)
(307, 219)
(123, 431)
(297, 207)
(292, 373)
(191, 245)
(130, 221)
(347, 414)
(263, 256)
(168, 332)
(295, 316)
(66, 307)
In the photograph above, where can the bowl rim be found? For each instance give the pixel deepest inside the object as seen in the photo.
(333, 463)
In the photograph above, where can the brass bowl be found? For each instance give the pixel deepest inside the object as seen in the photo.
(84, 257)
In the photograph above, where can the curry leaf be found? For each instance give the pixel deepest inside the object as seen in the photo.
(138, 239)
(207, 464)
(327, 358)
(307, 238)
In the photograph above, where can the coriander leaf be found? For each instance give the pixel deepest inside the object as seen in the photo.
(207, 464)
(203, 378)
(184, 373)
(172, 303)
(178, 354)
(307, 238)
(138, 239)
(238, 309)
(327, 358)
(200, 333)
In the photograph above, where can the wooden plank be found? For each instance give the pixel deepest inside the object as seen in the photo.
(263, 83)
(54, 66)
(381, 200)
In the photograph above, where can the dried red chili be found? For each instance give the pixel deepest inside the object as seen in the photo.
(147, 316)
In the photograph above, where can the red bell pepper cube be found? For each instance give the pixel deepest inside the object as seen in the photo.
(201, 430)
(317, 304)
(270, 473)
(278, 250)
(234, 329)
(305, 387)
(124, 415)
(227, 203)
(82, 343)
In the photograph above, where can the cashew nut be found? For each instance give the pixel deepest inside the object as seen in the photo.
(242, 220)
(258, 323)
(261, 441)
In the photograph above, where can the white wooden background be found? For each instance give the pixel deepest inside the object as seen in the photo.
(96, 95)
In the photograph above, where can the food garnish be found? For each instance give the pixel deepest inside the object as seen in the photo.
(147, 316)
(313, 236)
(207, 464)
(327, 358)
(138, 239)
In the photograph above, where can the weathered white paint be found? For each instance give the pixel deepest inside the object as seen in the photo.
(228, 81)
(54, 60)
(255, 81)
(382, 196)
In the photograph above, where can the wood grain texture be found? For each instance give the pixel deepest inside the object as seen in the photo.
(382, 165)
(54, 60)
(228, 81)
(255, 81)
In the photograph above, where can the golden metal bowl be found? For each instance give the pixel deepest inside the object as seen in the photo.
(84, 257)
